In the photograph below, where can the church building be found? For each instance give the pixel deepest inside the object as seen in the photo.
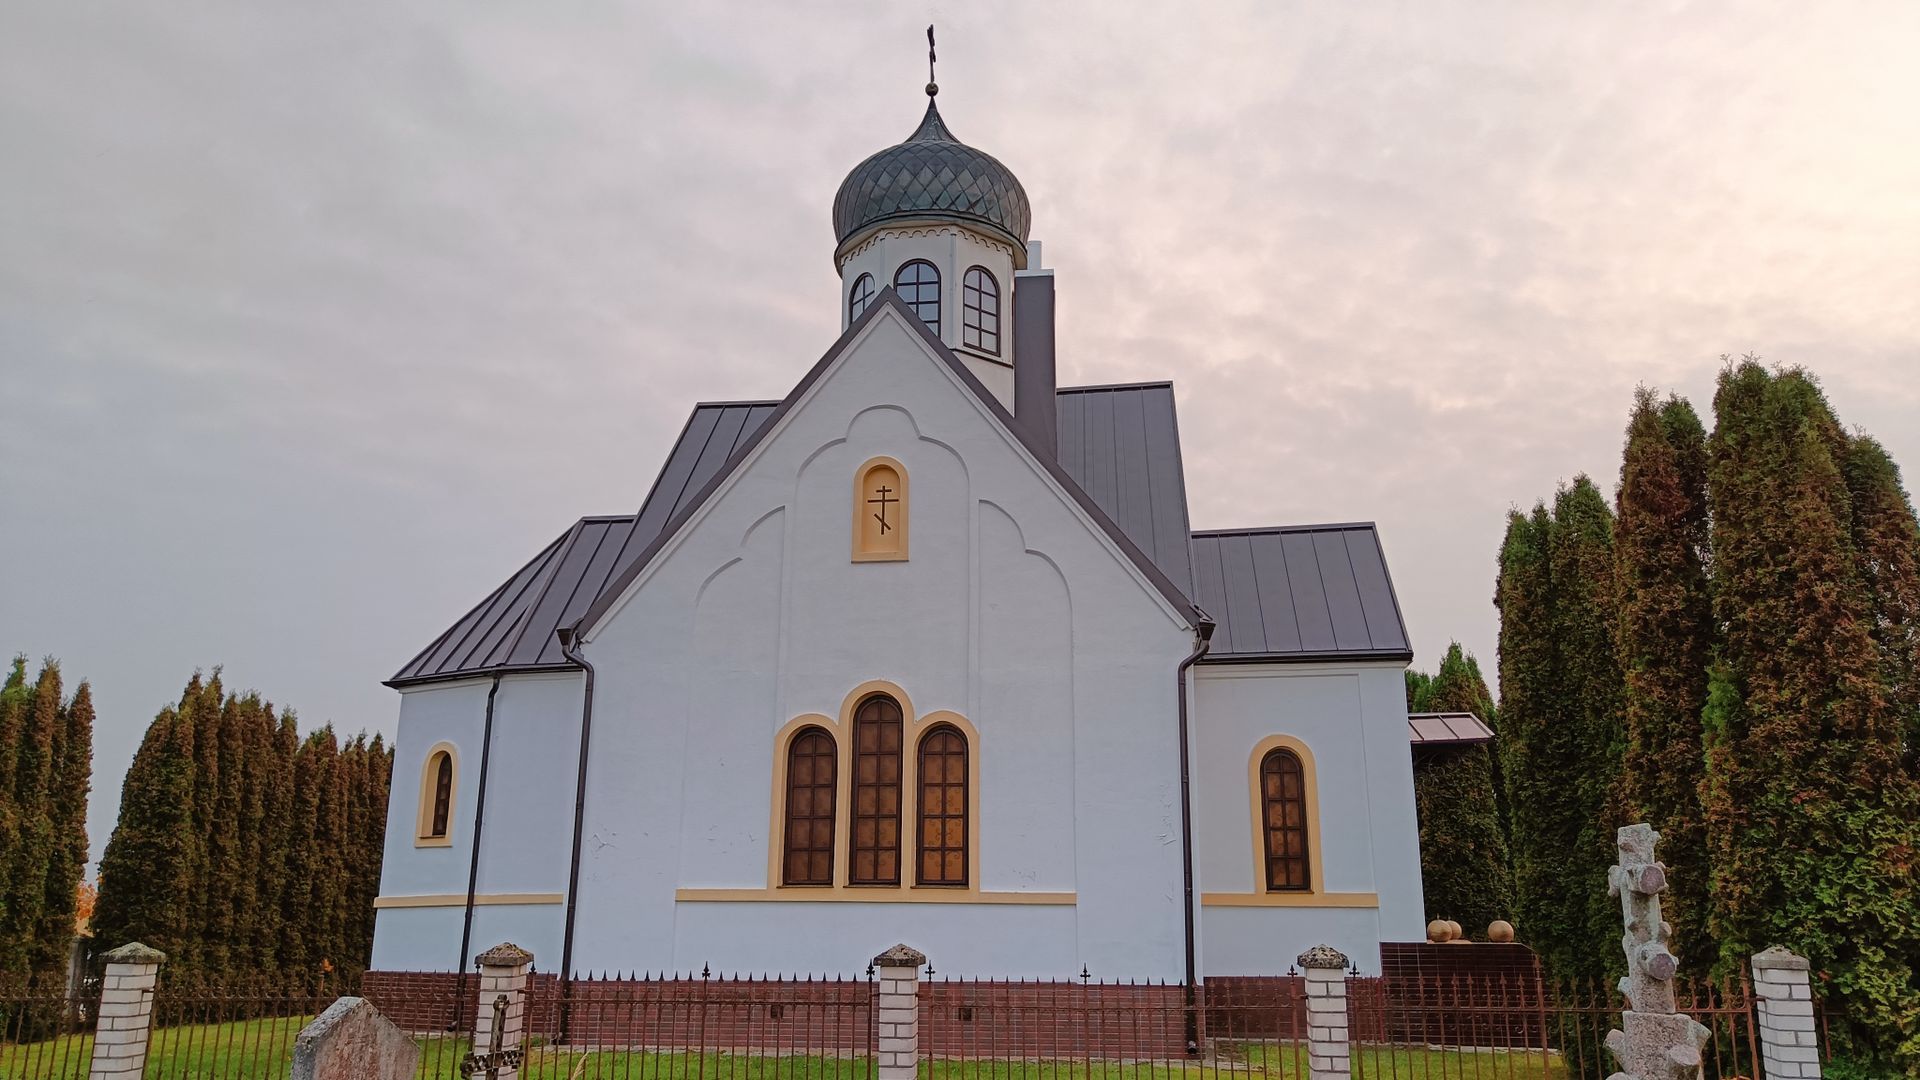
(925, 650)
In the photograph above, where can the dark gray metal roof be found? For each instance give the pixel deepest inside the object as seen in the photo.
(1302, 593)
(513, 628)
(933, 174)
(1447, 729)
(1122, 445)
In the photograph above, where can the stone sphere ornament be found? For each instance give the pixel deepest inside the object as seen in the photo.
(1438, 931)
(1500, 930)
(1459, 933)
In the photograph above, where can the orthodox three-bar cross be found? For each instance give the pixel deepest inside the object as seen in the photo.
(881, 498)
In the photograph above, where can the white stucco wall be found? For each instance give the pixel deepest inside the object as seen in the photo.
(1011, 612)
(1353, 720)
(527, 834)
(952, 250)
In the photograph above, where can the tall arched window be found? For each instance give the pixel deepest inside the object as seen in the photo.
(942, 829)
(980, 311)
(918, 284)
(859, 296)
(1283, 803)
(439, 777)
(813, 774)
(875, 849)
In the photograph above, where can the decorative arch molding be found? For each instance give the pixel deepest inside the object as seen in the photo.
(425, 834)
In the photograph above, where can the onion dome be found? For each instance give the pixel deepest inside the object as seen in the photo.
(934, 175)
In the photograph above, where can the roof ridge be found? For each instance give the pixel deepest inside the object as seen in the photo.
(1268, 530)
(741, 403)
(1149, 384)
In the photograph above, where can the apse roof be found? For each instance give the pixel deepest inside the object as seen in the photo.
(1298, 593)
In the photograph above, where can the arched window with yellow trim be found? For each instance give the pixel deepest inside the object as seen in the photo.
(875, 848)
(942, 832)
(880, 511)
(813, 768)
(439, 778)
(1283, 818)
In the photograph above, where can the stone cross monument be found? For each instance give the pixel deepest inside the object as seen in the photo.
(1657, 1043)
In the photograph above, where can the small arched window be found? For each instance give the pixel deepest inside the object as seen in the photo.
(943, 823)
(813, 767)
(1283, 804)
(438, 779)
(859, 296)
(875, 850)
(980, 311)
(918, 284)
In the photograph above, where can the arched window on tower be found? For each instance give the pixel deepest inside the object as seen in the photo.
(980, 311)
(813, 775)
(918, 284)
(942, 839)
(859, 296)
(1283, 805)
(875, 848)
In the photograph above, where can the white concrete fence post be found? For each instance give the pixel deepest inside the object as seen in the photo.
(503, 1001)
(1329, 1047)
(896, 1011)
(126, 1013)
(1789, 1046)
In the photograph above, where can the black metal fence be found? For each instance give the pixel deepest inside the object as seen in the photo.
(704, 1027)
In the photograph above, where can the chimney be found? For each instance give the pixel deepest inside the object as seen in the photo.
(1034, 380)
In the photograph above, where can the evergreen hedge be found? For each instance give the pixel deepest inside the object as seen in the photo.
(1464, 872)
(242, 849)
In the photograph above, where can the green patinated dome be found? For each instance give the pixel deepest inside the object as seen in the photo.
(933, 175)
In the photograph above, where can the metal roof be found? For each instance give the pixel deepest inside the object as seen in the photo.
(932, 174)
(513, 628)
(1121, 444)
(1300, 593)
(1447, 729)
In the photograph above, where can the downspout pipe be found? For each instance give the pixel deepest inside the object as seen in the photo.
(473, 864)
(1203, 633)
(570, 648)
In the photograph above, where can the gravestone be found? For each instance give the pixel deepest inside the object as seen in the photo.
(352, 1041)
(1655, 1040)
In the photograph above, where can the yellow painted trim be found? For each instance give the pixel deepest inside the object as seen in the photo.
(860, 505)
(840, 894)
(1291, 899)
(423, 823)
(438, 900)
(1316, 880)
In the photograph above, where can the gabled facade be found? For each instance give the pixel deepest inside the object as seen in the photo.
(925, 650)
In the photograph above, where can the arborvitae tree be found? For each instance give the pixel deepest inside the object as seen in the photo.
(1560, 735)
(1887, 541)
(219, 790)
(145, 872)
(280, 741)
(1666, 644)
(36, 758)
(1463, 855)
(66, 869)
(1813, 818)
(15, 700)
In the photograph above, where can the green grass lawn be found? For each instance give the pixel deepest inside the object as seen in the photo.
(264, 1049)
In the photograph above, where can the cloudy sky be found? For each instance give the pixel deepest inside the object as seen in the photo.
(316, 322)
